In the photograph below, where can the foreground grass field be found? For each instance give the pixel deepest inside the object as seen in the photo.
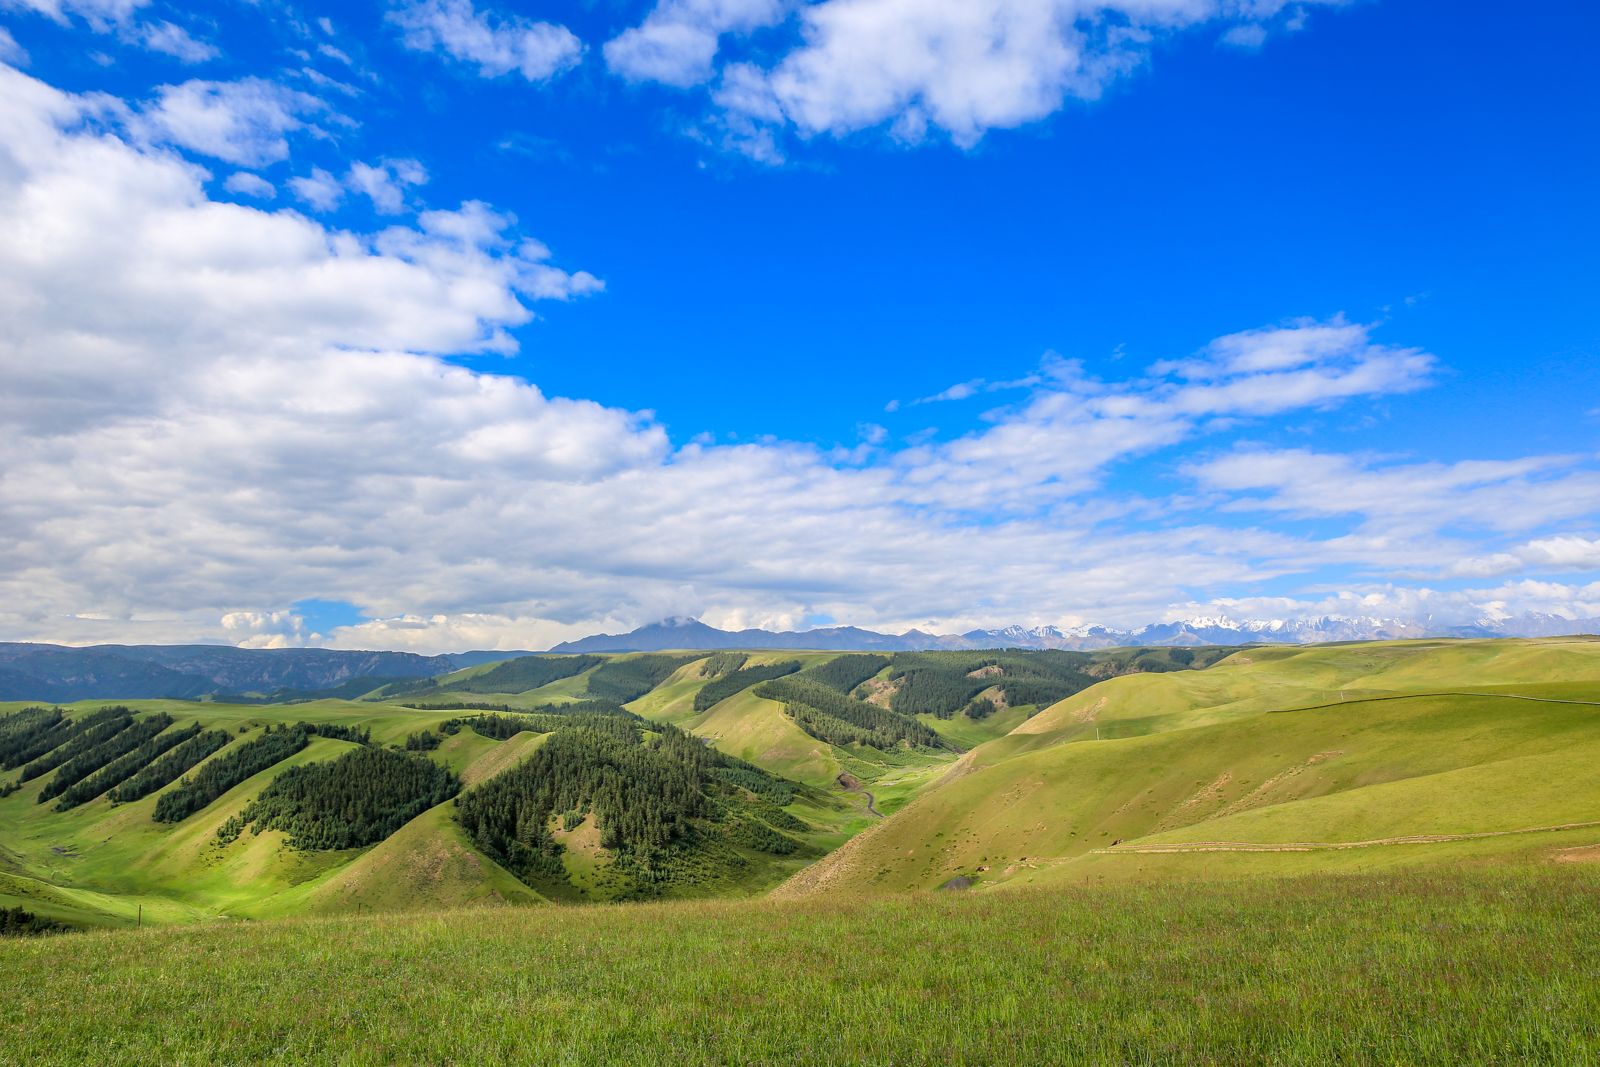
(1491, 967)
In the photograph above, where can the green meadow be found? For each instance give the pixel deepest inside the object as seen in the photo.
(1485, 967)
(1384, 853)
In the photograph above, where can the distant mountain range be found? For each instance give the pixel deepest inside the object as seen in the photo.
(63, 673)
(693, 634)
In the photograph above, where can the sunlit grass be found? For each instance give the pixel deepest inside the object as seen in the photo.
(1494, 967)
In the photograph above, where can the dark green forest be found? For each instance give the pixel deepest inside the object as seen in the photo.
(215, 778)
(720, 663)
(622, 680)
(124, 767)
(30, 733)
(652, 789)
(167, 769)
(945, 684)
(830, 716)
(86, 762)
(520, 675)
(83, 735)
(844, 673)
(14, 922)
(738, 680)
(356, 800)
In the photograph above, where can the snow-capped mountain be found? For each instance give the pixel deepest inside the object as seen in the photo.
(1201, 630)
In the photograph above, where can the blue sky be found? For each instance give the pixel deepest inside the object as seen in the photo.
(756, 272)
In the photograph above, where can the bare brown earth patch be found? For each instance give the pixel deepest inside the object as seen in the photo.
(1260, 794)
(880, 691)
(1197, 806)
(1579, 854)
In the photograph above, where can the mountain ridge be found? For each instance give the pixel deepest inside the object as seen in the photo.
(688, 633)
(37, 671)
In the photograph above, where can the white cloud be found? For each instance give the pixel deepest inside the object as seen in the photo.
(677, 42)
(1423, 608)
(1398, 499)
(267, 629)
(101, 14)
(1247, 35)
(1564, 552)
(496, 45)
(243, 122)
(118, 16)
(217, 410)
(961, 66)
(320, 189)
(385, 184)
(10, 51)
(176, 41)
(246, 184)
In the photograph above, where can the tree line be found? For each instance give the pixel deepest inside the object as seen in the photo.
(720, 663)
(83, 735)
(276, 743)
(648, 795)
(830, 716)
(350, 802)
(14, 922)
(622, 680)
(29, 733)
(124, 741)
(167, 769)
(123, 767)
(844, 673)
(738, 680)
(524, 673)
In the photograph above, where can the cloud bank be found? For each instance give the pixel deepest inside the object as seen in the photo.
(216, 410)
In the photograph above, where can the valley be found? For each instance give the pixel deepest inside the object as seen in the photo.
(693, 775)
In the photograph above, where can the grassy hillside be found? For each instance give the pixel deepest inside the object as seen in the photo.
(1484, 968)
(1275, 760)
(1271, 761)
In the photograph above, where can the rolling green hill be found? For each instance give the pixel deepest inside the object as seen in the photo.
(816, 773)
(1274, 761)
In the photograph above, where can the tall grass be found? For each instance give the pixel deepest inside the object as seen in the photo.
(1486, 967)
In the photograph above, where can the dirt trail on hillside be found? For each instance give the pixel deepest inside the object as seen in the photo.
(852, 784)
(1160, 848)
(1414, 696)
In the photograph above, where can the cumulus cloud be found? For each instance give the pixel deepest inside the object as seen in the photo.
(244, 122)
(385, 183)
(102, 14)
(677, 42)
(496, 45)
(963, 67)
(320, 189)
(175, 41)
(1400, 498)
(10, 51)
(245, 183)
(214, 411)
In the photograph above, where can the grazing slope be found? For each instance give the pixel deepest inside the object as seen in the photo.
(1466, 969)
(1156, 764)
(1276, 761)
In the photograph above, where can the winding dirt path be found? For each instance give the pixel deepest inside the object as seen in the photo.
(852, 784)
(1413, 696)
(1160, 848)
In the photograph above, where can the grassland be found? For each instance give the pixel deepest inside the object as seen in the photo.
(1275, 761)
(1272, 763)
(1492, 967)
(1374, 854)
